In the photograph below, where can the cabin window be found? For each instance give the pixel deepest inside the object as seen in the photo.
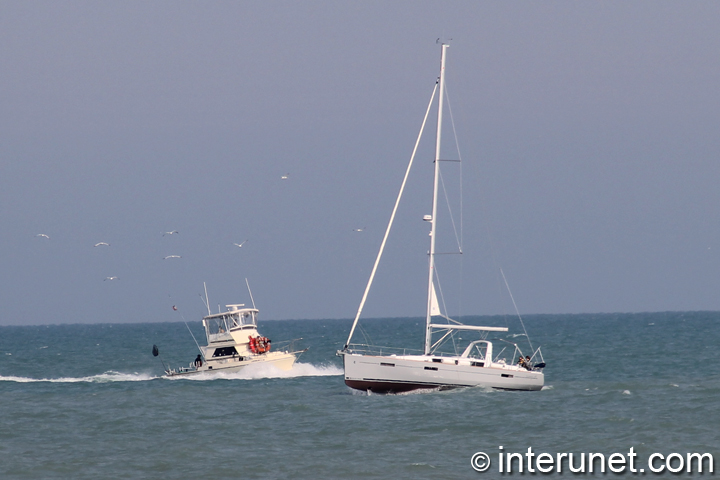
(224, 352)
(437, 360)
(477, 364)
(431, 368)
(387, 364)
(505, 375)
(247, 318)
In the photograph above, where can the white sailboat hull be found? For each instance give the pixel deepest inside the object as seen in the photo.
(396, 374)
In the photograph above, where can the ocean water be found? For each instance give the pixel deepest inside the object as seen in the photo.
(89, 401)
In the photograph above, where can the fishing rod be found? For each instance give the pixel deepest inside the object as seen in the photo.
(191, 333)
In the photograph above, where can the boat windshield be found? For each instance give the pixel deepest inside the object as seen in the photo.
(217, 327)
(242, 319)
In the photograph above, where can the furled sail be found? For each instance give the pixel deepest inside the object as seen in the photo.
(434, 305)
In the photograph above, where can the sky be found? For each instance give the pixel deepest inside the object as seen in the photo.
(588, 133)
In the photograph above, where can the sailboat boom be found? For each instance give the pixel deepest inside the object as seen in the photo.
(448, 326)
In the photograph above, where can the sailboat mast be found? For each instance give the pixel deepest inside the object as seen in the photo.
(431, 260)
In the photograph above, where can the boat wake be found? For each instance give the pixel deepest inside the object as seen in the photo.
(262, 370)
(106, 377)
(251, 372)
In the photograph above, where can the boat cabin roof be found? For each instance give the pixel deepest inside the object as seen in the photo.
(232, 310)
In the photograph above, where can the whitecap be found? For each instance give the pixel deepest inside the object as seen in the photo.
(418, 391)
(626, 392)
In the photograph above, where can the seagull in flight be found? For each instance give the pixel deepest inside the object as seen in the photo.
(170, 233)
(110, 278)
(285, 177)
(239, 244)
(359, 229)
(172, 256)
(42, 235)
(101, 244)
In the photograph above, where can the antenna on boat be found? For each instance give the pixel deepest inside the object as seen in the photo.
(251, 297)
(207, 300)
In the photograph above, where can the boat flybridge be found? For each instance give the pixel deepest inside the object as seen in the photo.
(388, 370)
(233, 343)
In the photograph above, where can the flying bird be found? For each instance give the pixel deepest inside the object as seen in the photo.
(110, 278)
(285, 177)
(101, 244)
(172, 256)
(359, 229)
(42, 235)
(170, 233)
(239, 244)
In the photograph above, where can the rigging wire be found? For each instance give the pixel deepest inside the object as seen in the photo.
(452, 217)
(462, 210)
(392, 218)
(457, 147)
(516, 310)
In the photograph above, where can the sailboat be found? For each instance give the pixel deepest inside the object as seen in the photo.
(377, 369)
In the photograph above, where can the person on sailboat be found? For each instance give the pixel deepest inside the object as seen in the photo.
(198, 361)
(521, 361)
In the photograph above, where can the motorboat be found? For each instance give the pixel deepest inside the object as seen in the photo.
(233, 344)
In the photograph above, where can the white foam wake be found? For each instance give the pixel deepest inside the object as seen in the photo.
(266, 370)
(251, 372)
(106, 377)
